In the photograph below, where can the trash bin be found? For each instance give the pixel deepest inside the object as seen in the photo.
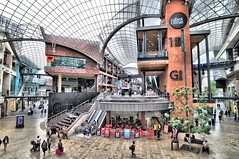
(213, 122)
(209, 122)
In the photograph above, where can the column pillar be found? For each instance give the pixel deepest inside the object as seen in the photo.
(108, 117)
(143, 121)
(96, 83)
(59, 82)
(54, 83)
(177, 19)
(144, 88)
(17, 79)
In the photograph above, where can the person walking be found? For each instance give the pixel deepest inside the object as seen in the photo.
(155, 129)
(49, 142)
(44, 147)
(38, 143)
(42, 111)
(60, 145)
(5, 142)
(132, 147)
(159, 130)
(0, 142)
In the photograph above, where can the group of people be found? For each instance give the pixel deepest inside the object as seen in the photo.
(5, 142)
(51, 129)
(46, 144)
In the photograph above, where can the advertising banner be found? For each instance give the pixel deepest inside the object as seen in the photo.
(126, 133)
(136, 134)
(117, 134)
(107, 133)
(20, 121)
(165, 129)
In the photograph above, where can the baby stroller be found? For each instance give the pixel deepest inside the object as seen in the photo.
(35, 147)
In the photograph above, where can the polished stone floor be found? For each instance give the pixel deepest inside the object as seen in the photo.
(223, 142)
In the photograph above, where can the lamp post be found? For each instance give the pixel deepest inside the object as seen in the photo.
(185, 70)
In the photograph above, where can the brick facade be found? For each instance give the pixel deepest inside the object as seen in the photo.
(90, 68)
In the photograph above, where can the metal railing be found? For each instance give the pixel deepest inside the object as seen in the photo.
(58, 114)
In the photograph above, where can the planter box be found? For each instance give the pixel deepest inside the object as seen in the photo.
(174, 145)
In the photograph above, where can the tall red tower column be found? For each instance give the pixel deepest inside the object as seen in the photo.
(177, 19)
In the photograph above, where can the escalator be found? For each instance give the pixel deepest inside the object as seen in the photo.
(93, 116)
(101, 119)
(98, 116)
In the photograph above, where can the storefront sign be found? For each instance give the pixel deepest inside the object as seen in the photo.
(178, 20)
(176, 75)
(50, 58)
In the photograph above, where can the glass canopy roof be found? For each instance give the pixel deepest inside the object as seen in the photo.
(28, 21)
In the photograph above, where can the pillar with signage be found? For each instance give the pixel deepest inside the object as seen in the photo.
(177, 20)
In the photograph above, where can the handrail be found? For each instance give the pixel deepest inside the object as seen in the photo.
(87, 101)
(57, 114)
(102, 119)
(79, 117)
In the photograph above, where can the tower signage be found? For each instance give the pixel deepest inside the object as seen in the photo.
(178, 20)
(176, 75)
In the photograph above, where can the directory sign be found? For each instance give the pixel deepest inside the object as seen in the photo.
(20, 121)
(126, 133)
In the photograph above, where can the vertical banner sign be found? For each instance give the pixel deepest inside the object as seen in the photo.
(165, 129)
(98, 132)
(136, 134)
(126, 133)
(117, 134)
(107, 133)
(19, 121)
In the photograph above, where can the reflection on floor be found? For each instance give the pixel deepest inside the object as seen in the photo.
(223, 142)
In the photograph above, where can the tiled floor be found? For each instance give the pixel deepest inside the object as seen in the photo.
(223, 142)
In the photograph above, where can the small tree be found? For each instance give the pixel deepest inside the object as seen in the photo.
(201, 116)
(181, 106)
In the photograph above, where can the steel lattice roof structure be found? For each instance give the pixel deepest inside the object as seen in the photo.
(111, 23)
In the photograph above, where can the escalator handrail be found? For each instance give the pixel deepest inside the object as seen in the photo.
(101, 119)
(91, 115)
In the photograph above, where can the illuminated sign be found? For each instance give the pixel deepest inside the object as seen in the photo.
(178, 20)
(176, 75)
(20, 121)
(72, 62)
(126, 133)
(50, 58)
